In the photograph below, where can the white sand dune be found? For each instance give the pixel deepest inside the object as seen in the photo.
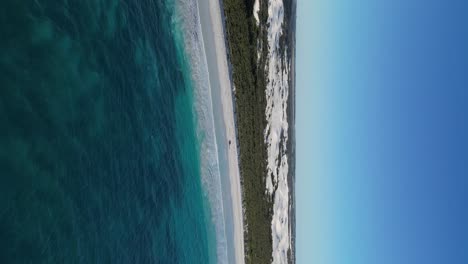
(276, 133)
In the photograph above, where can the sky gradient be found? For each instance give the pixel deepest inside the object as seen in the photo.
(382, 128)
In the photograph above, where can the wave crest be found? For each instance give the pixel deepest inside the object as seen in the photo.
(187, 14)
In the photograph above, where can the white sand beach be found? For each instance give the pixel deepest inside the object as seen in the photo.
(210, 13)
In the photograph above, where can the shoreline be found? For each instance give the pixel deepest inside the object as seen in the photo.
(214, 39)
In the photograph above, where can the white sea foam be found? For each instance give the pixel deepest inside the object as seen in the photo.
(276, 133)
(210, 171)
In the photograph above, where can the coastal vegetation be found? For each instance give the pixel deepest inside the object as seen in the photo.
(248, 73)
(248, 55)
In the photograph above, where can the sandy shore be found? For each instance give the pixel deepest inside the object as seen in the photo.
(214, 43)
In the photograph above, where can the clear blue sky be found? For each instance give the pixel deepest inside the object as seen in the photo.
(382, 132)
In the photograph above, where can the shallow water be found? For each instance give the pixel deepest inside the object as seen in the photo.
(99, 160)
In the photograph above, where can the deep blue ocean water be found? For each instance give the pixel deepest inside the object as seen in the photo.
(99, 161)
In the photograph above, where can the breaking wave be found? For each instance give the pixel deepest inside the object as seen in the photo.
(188, 17)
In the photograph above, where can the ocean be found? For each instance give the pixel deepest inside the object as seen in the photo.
(99, 140)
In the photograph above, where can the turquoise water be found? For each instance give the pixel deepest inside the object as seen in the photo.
(99, 161)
